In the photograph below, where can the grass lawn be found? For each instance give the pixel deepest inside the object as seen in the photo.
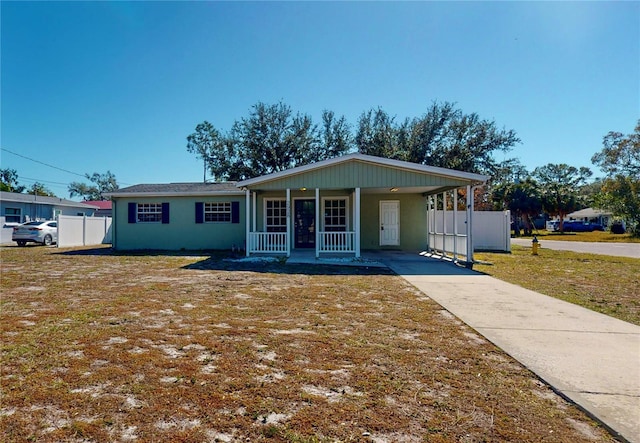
(101, 347)
(595, 236)
(606, 284)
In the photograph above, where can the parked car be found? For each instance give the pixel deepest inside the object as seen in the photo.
(579, 226)
(45, 232)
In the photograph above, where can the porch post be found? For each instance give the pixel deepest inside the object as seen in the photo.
(247, 239)
(469, 224)
(255, 210)
(357, 222)
(288, 222)
(444, 221)
(317, 222)
(429, 217)
(455, 224)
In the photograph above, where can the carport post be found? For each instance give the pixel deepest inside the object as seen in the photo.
(455, 224)
(469, 225)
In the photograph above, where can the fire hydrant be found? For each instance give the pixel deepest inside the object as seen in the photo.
(535, 244)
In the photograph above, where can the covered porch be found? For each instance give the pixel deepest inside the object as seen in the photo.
(342, 206)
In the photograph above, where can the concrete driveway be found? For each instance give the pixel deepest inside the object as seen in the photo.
(616, 249)
(590, 358)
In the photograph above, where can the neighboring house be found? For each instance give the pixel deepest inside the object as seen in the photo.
(20, 208)
(592, 215)
(341, 205)
(16, 208)
(104, 207)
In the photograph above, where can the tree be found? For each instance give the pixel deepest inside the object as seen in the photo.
(559, 185)
(378, 135)
(40, 189)
(620, 154)
(102, 183)
(208, 144)
(620, 192)
(523, 199)
(444, 137)
(272, 138)
(9, 181)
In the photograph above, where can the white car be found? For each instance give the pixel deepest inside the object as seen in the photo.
(45, 232)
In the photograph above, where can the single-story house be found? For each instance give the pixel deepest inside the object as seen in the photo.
(341, 205)
(20, 208)
(592, 215)
(104, 207)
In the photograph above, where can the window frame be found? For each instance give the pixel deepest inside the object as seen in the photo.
(17, 214)
(157, 212)
(227, 212)
(331, 227)
(282, 216)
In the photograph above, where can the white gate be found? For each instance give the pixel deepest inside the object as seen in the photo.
(83, 231)
(491, 230)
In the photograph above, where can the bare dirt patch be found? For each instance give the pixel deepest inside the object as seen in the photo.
(186, 348)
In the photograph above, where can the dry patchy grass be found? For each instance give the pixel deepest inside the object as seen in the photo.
(98, 346)
(606, 284)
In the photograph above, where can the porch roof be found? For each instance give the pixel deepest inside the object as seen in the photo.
(371, 174)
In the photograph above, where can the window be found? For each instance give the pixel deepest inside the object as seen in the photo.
(149, 213)
(217, 212)
(276, 215)
(335, 214)
(12, 215)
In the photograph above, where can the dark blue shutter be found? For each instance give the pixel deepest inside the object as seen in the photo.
(133, 212)
(235, 212)
(199, 212)
(165, 213)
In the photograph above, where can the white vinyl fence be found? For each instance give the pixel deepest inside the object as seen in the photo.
(83, 231)
(491, 229)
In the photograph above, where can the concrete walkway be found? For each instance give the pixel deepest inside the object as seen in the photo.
(615, 249)
(590, 358)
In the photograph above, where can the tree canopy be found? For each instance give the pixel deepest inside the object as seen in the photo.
(559, 186)
(274, 138)
(101, 184)
(444, 136)
(620, 190)
(271, 138)
(9, 181)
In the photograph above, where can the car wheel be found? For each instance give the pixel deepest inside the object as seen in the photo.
(21, 243)
(48, 240)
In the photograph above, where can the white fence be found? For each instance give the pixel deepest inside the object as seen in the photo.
(83, 231)
(267, 242)
(337, 241)
(491, 230)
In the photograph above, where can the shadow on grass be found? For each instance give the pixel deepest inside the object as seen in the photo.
(213, 260)
(397, 262)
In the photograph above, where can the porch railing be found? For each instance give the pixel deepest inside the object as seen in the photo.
(337, 241)
(267, 242)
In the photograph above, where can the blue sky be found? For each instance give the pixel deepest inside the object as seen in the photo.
(96, 86)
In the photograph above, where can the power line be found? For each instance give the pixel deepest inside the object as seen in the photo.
(50, 166)
(42, 181)
(43, 163)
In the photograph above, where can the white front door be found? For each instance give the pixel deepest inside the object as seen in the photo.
(389, 223)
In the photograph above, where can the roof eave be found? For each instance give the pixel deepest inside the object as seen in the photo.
(175, 194)
(472, 177)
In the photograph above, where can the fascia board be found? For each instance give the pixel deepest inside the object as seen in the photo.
(175, 194)
(434, 170)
